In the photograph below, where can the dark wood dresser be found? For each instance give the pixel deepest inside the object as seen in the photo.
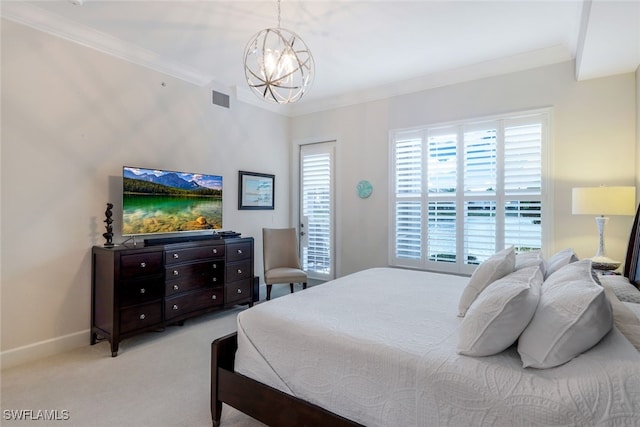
(141, 288)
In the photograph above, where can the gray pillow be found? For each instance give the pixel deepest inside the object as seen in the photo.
(498, 316)
(621, 286)
(559, 260)
(493, 268)
(624, 317)
(573, 315)
(531, 259)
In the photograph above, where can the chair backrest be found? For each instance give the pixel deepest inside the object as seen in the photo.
(280, 248)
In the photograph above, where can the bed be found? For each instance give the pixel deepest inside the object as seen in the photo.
(379, 348)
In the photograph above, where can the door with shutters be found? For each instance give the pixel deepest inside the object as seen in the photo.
(317, 222)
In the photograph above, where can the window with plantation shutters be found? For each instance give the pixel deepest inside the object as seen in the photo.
(316, 185)
(466, 190)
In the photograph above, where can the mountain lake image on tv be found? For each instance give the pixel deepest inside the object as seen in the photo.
(158, 201)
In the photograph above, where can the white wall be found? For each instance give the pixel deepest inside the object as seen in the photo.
(71, 118)
(592, 143)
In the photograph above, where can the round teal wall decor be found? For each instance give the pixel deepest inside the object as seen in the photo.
(364, 189)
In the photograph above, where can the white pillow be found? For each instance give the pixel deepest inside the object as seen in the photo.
(495, 267)
(572, 316)
(498, 316)
(559, 260)
(531, 259)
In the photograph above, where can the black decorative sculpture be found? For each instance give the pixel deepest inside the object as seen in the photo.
(108, 220)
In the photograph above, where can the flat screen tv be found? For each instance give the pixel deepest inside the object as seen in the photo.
(158, 201)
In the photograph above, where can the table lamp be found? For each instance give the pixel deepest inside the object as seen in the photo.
(603, 201)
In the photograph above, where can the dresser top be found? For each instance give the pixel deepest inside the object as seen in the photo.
(142, 247)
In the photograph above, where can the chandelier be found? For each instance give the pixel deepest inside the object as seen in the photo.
(278, 65)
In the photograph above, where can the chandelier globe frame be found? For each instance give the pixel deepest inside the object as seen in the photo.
(278, 65)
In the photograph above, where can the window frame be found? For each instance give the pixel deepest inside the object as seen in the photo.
(461, 126)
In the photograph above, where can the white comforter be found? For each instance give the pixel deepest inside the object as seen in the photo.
(379, 347)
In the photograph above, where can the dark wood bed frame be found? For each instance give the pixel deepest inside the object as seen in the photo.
(264, 403)
(275, 408)
(630, 270)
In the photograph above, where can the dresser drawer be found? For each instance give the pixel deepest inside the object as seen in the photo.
(175, 256)
(194, 282)
(238, 251)
(192, 301)
(238, 292)
(137, 265)
(238, 271)
(140, 316)
(140, 291)
(209, 268)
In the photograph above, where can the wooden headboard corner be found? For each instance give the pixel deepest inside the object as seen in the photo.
(631, 270)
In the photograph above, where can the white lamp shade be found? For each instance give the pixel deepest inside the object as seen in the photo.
(603, 201)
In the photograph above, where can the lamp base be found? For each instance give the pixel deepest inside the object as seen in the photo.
(604, 263)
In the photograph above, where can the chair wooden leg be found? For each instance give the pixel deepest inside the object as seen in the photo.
(291, 287)
(268, 292)
(304, 285)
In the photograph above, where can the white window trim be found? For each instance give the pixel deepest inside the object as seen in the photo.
(546, 197)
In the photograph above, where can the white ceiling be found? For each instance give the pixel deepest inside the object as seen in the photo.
(363, 50)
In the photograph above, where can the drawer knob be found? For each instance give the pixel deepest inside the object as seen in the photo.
(176, 272)
(176, 256)
(214, 265)
(239, 251)
(143, 290)
(213, 297)
(215, 250)
(175, 306)
(176, 287)
(215, 279)
(143, 264)
(239, 271)
(142, 316)
(239, 291)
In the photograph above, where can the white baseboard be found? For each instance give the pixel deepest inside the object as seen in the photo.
(42, 349)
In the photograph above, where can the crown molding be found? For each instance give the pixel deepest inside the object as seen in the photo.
(524, 61)
(42, 20)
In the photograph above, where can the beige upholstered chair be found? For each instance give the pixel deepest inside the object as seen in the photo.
(280, 256)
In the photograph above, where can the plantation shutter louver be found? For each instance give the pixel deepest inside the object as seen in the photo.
(316, 202)
(408, 167)
(442, 184)
(480, 184)
(523, 184)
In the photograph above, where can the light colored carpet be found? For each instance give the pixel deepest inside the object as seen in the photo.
(157, 379)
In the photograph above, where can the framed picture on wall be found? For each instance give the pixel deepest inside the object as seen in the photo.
(255, 190)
